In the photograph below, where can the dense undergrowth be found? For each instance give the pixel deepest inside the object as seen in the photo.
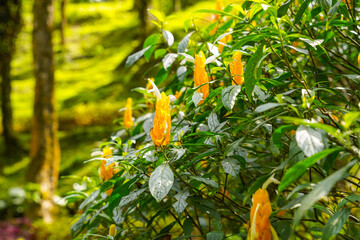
(253, 132)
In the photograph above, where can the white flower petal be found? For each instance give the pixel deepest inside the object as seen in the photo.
(218, 63)
(213, 49)
(187, 58)
(211, 59)
(155, 89)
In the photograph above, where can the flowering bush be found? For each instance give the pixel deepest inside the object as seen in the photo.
(260, 141)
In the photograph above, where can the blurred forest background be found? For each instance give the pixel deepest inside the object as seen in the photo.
(90, 42)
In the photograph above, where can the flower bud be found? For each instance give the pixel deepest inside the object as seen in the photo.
(112, 230)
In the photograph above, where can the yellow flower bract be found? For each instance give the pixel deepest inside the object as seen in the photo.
(259, 216)
(128, 122)
(112, 230)
(160, 132)
(200, 76)
(106, 172)
(237, 69)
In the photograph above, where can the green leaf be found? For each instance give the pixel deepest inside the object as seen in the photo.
(176, 153)
(164, 232)
(161, 181)
(168, 37)
(325, 4)
(135, 57)
(184, 43)
(250, 38)
(296, 189)
(283, 9)
(267, 106)
(206, 181)
(187, 226)
(321, 190)
(231, 166)
(187, 24)
(313, 42)
(251, 67)
(168, 60)
(229, 95)
(152, 40)
(159, 53)
(232, 146)
(216, 12)
(181, 203)
(131, 197)
(279, 132)
(327, 128)
(161, 76)
(78, 225)
(214, 236)
(351, 198)
(349, 118)
(213, 122)
(335, 223)
(121, 190)
(299, 168)
(333, 10)
(295, 153)
(309, 140)
(159, 15)
(196, 98)
(301, 11)
(89, 199)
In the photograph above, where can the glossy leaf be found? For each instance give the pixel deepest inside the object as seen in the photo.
(214, 236)
(135, 57)
(298, 169)
(168, 60)
(283, 8)
(321, 190)
(231, 166)
(229, 95)
(252, 70)
(184, 43)
(309, 140)
(181, 203)
(161, 181)
(335, 223)
(267, 106)
(169, 38)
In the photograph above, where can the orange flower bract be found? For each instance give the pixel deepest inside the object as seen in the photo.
(259, 216)
(224, 41)
(106, 172)
(237, 69)
(160, 132)
(128, 122)
(200, 76)
(219, 7)
(178, 94)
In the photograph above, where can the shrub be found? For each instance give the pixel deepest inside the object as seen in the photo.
(264, 134)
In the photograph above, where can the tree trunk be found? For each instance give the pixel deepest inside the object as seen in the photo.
(141, 7)
(10, 17)
(45, 151)
(63, 21)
